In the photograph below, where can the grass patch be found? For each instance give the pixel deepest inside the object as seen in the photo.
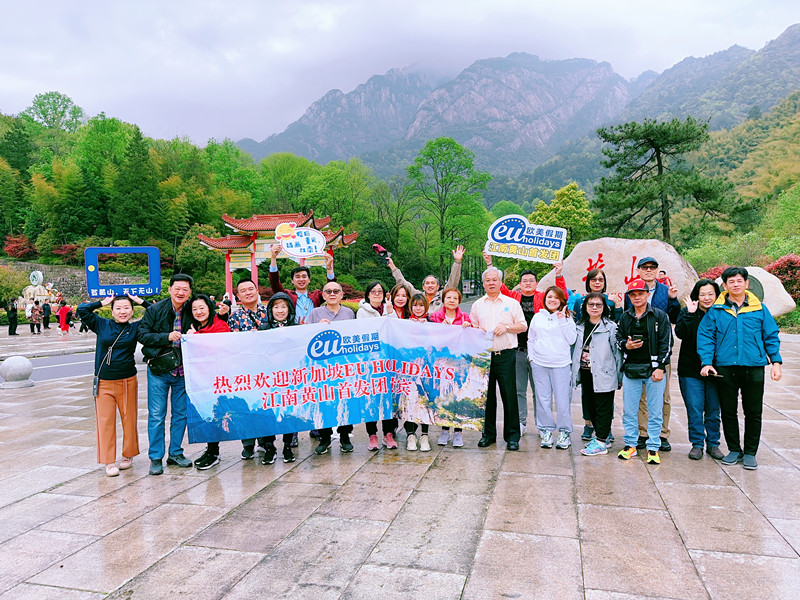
(790, 322)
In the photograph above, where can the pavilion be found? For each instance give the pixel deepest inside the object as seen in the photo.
(250, 245)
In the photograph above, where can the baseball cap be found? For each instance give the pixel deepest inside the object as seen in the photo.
(637, 285)
(646, 260)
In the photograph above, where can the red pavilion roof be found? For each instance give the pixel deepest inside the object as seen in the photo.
(229, 242)
(268, 222)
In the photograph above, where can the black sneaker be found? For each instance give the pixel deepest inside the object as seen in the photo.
(295, 441)
(642, 443)
(288, 455)
(206, 461)
(248, 452)
(344, 439)
(269, 454)
(313, 434)
(665, 447)
(322, 447)
(588, 432)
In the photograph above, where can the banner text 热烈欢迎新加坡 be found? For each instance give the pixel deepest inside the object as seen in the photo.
(253, 384)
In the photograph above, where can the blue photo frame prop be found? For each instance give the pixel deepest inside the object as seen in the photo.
(96, 290)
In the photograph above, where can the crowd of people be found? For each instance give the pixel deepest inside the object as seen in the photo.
(548, 341)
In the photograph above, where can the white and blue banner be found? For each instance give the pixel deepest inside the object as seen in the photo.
(250, 384)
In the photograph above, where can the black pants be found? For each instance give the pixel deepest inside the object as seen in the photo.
(287, 439)
(598, 407)
(411, 427)
(35, 326)
(12, 325)
(388, 426)
(502, 372)
(326, 434)
(750, 381)
(46, 321)
(249, 443)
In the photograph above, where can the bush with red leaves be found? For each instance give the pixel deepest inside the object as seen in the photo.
(787, 269)
(69, 252)
(19, 246)
(713, 272)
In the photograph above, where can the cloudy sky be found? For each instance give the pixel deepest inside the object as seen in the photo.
(203, 69)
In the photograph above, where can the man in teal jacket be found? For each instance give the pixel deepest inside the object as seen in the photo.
(737, 338)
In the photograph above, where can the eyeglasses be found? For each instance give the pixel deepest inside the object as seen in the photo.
(600, 279)
(648, 267)
(594, 305)
(376, 292)
(331, 291)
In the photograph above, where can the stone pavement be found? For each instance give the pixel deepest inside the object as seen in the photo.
(452, 523)
(49, 343)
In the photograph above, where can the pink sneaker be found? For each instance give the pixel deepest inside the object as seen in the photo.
(388, 441)
(373, 442)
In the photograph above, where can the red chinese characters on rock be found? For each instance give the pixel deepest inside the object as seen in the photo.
(594, 264)
(634, 275)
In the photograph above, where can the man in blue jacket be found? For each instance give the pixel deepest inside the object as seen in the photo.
(737, 338)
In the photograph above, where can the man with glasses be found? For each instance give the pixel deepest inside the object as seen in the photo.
(663, 298)
(304, 300)
(329, 312)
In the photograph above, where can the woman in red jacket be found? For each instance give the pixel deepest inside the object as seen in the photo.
(204, 317)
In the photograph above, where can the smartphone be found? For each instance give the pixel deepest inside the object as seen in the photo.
(382, 252)
(637, 338)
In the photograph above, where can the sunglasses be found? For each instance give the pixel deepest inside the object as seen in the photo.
(331, 291)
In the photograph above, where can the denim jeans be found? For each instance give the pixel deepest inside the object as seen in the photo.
(702, 410)
(158, 387)
(524, 375)
(631, 393)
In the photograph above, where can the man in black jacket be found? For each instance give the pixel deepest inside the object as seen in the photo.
(162, 326)
(644, 335)
(13, 317)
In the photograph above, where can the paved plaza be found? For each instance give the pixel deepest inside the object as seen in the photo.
(449, 524)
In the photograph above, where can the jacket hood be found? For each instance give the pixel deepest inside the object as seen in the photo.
(275, 297)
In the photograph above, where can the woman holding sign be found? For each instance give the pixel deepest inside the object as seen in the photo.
(116, 386)
(370, 307)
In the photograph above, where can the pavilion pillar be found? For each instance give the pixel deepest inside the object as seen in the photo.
(253, 265)
(228, 275)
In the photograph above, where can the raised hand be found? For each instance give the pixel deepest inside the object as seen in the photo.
(106, 301)
(673, 291)
(458, 253)
(558, 267)
(329, 262)
(136, 299)
(390, 264)
(691, 305)
(487, 258)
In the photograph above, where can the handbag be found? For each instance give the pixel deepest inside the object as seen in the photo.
(168, 359)
(637, 370)
(107, 360)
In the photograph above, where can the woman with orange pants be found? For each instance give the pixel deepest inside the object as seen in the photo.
(116, 385)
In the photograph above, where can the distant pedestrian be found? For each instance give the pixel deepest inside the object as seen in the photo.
(63, 318)
(36, 318)
(13, 316)
(47, 312)
(736, 339)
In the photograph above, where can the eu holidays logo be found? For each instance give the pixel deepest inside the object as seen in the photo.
(330, 343)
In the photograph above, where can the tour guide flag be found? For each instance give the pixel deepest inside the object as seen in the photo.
(250, 384)
(514, 237)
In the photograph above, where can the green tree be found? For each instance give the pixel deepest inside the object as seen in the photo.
(652, 176)
(192, 257)
(288, 174)
(54, 110)
(10, 203)
(570, 210)
(395, 206)
(11, 284)
(443, 176)
(135, 205)
(505, 208)
(17, 148)
(340, 189)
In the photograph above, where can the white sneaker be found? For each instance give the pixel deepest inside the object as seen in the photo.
(424, 444)
(444, 437)
(563, 440)
(522, 429)
(458, 441)
(547, 438)
(411, 443)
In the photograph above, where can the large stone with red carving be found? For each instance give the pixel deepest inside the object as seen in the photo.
(618, 258)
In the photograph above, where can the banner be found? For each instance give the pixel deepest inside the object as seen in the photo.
(96, 289)
(250, 384)
(514, 237)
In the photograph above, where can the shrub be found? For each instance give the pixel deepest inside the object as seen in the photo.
(713, 272)
(787, 269)
(744, 250)
(19, 246)
(68, 252)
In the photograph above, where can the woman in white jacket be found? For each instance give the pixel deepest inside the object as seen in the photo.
(550, 338)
